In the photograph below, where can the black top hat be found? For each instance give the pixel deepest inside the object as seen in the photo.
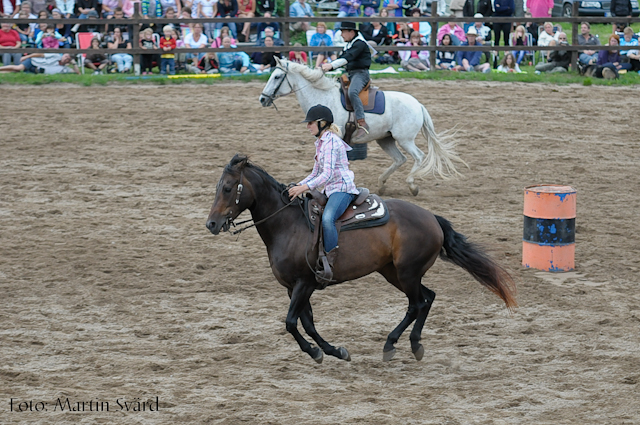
(348, 25)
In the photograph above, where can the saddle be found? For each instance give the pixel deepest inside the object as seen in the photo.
(372, 98)
(367, 210)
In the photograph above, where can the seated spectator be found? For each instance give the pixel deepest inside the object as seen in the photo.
(509, 64)
(207, 9)
(627, 40)
(118, 13)
(376, 34)
(224, 32)
(66, 7)
(25, 11)
(48, 39)
(169, 13)
(209, 64)
(256, 57)
(10, 39)
(370, 7)
(559, 60)
(321, 38)
(108, 7)
(24, 30)
(348, 8)
(609, 61)
(185, 29)
(227, 9)
(484, 32)
(9, 8)
(91, 25)
(403, 33)
(151, 9)
(446, 59)
(62, 29)
(176, 5)
(266, 6)
(44, 63)
(85, 7)
(298, 57)
(519, 38)
(391, 27)
(548, 35)
(246, 9)
(42, 27)
(196, 40)
(262, 26)
(414, 60)
(268, 58)
(532, 28)
(123, 60)
(408, 6)
(300, 9)
(231, 62)
(634, 59)
(469, 61)
(587, 57)
(457, 33)
(96, 61)
(415, 13)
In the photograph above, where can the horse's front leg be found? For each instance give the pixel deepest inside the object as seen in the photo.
(299, 299)
(307, 322)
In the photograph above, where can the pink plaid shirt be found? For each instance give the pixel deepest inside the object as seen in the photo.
(331, 172)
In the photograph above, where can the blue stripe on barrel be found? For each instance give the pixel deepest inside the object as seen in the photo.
(558, 231)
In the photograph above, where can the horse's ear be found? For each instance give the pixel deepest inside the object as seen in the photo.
(278, 63)
(239, 161)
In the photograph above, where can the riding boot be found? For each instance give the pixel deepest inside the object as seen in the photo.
(362, 131)
(324, 272)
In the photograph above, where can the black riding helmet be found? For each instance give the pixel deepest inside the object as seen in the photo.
(319, 113)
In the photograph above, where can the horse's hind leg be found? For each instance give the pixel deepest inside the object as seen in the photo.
(307, 322)
(418, 156)
(416, 348)
(388, 144)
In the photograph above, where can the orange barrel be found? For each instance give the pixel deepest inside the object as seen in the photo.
(549, 233)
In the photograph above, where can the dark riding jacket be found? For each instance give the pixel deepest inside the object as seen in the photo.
(357, 56)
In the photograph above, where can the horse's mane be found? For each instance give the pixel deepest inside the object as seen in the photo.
(314, 75)
(240, 162)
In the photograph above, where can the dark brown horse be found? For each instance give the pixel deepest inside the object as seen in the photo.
(402, 251)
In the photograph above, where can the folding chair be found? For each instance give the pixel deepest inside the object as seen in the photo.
(83, 41)
(530, 54)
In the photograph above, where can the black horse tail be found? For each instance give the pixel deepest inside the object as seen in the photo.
(483, 268)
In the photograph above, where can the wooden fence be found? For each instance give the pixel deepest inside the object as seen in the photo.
(284, 22)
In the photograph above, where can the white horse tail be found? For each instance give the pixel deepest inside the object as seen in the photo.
(441, 156)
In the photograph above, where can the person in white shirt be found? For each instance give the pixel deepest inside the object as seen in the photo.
(196, 40)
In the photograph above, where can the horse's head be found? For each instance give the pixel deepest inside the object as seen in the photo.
(278, 84)
(234, 194)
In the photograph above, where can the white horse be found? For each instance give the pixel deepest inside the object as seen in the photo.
(404, 117)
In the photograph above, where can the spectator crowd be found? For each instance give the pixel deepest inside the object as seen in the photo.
(163, 42)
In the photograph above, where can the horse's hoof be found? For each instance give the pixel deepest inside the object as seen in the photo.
(344, 354)
(319, 356)
(388, 355)
(419, 353)
(414, 189)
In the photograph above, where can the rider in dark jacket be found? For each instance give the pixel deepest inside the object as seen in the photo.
(356, 55)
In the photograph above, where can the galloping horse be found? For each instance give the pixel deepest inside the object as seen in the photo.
(402, 250)
(403, 119)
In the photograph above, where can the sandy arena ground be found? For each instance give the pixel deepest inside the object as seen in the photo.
(113, 290)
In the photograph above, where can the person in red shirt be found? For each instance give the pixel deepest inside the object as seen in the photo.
(10, 39)
(168, 44)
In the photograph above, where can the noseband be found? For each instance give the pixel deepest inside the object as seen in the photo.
(274, 96)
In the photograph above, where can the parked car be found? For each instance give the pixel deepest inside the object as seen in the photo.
(588, 8)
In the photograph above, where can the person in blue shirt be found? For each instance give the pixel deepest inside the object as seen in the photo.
(469, 61)
(300, 9)
(233, 61)
(321, 38)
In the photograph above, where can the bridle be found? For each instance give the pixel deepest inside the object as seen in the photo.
(275, 95)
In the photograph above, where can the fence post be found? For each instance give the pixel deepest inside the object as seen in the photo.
(434, 36)
(574, 36)
(135, 38)
(285, 29)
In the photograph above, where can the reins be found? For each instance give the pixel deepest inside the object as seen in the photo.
(235, 232)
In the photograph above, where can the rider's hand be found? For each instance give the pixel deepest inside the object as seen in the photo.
(326, 67)
(297, 190)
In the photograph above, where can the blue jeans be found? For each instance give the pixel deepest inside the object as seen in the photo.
(7, 57)
(344, 14)
(171, 63)
(358, 79)
(585, 58)
(336, 206)
(122, 60)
